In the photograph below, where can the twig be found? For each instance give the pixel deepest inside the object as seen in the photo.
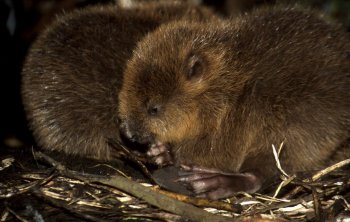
(67, 207)
(330, 169)
(284, 204)
(282, 184)
(18, 217)
(278, 163)
(200, 202)
(161, 201)
(161, 215)
(23, 188)
(318, 175)
(131, 157)
(317, 205)
(113, 168)
(142, 192)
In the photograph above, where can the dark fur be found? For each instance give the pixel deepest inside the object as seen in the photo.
(277, 74)
(73, 73)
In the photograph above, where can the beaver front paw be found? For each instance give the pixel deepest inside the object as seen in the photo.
(160, 154)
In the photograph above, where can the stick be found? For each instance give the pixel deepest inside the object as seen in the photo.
(153, 198)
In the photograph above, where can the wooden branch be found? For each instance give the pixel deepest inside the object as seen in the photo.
(154, 198)
(161, 201)
(201, 202)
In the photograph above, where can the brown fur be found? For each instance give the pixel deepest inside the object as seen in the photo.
(73, 73)
(277, 74)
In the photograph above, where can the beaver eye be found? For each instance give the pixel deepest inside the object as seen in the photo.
(196, 66)
(154, 109)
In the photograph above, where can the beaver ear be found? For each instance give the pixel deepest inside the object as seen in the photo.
(196, 66)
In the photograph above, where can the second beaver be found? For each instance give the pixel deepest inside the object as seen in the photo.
(217, 95)
(74, 70)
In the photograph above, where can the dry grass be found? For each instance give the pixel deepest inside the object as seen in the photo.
(322, 197)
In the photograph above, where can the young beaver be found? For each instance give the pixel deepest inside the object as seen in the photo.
(217, 95)
(73, 73)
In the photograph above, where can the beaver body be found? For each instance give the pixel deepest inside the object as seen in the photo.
(219, 94)
(73, 73)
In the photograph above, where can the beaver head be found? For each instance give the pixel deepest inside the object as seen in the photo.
(175, 85)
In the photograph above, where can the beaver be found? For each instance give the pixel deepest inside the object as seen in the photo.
(212, 97)
(73, 72)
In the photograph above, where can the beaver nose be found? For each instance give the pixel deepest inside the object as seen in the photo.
(125, 129)
(133, 137)
(134, 133)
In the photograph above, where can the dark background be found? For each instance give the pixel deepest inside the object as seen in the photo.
(22, 20)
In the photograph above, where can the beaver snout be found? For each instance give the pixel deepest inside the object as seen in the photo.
(135, 132)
